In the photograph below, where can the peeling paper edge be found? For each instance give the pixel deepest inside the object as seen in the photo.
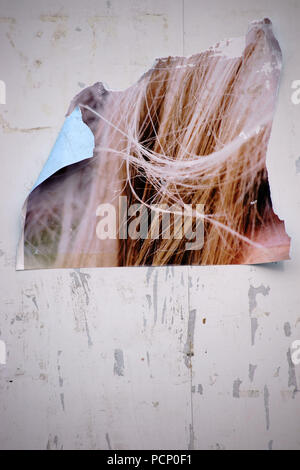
(61, 165)
(278, 53)
(20, 247)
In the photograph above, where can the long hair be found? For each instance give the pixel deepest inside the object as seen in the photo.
(192, 131)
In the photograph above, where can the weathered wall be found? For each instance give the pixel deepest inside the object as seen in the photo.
(101, 358)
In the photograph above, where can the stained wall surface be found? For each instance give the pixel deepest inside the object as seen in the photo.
(141, 358)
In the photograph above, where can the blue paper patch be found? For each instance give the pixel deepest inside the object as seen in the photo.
(74, 143)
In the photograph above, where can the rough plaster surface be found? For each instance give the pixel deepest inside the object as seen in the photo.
(158, 358)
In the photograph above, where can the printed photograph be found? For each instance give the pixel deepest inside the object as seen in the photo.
(178, 172)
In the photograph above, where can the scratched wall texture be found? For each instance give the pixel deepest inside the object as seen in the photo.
(163, 358)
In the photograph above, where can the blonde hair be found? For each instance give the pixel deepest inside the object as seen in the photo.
(193, 130)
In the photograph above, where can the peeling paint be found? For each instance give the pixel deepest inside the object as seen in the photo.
(62, 400)
(84, 283)
(270, 445)
(189, 345)
(236, 388)
(53, 443)
(119, 362)
(267, 406)
(148, 359)
(253, 293)
(164, 311)
(252, 369)
(7, 128)
(79, 284)
(191, 444)
(254, 326)
(155, 297)
(287, 329)
(150, 270)
(107, 438)
(292, 379)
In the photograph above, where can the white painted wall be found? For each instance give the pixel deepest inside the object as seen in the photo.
(99, 358)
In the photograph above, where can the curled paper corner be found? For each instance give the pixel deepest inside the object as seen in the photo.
(74, 143)
(192, 130)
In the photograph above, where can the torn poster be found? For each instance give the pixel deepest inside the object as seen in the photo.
(171, 170)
